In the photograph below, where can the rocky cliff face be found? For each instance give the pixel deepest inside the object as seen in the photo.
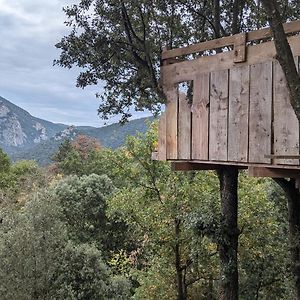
(18, 128)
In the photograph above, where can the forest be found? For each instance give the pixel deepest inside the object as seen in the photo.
(114, 224)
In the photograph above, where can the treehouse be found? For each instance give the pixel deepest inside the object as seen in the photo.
(230, 107)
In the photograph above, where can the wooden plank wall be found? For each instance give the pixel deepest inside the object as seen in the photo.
(200, 117)
(218, 115)
(162, 143)
(286, 125)
(239, 95)
(260, 118)
(171, 122)
(184, 127)
(237, 115)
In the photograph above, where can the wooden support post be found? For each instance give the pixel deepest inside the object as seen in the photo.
(240, 47)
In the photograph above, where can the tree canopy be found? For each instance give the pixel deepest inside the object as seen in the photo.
(117, 44)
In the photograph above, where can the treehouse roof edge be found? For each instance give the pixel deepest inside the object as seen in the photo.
(290, 27)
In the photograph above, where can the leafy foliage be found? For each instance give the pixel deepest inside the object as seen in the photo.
(48, 251)
(119, 43)
(127, 226)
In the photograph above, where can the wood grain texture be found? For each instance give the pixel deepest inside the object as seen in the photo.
(273, 172)
(184, 127)
(240, 47)
(162, 138)
(171, 122)
(260, 119)
(218, 116)
(187, 70)
(227, 41)
(200, 117)
(286, 125)
(238, 114)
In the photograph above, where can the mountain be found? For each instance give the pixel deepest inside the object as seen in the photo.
(23, 136)
(20, 129)
(111, 136)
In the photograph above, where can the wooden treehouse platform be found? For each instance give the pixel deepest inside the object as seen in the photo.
(230, 108)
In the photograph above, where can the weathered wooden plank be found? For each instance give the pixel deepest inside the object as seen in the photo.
(184, 127)
(273, 172)
(277, 157)
(240, 47)
(286, 125)
(171, 122)
(189, 166)
(260, 118)
(218, 116)
(227, 41)
(162, 138)
(245, 165)
(200, 117)
(187, 70)
(238, 114)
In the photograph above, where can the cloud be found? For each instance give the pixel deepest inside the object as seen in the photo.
(29, 29)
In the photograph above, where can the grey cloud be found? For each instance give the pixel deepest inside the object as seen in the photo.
(29, 29)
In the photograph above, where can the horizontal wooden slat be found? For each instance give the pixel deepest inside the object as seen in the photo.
(274, 156)
(188, 70)
(188, 166)
(273, 173)
(246, 165)
(227, 41)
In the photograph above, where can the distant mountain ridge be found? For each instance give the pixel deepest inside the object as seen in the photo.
(23, 136)
(19, 128)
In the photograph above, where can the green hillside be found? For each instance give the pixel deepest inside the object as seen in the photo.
(111, 136)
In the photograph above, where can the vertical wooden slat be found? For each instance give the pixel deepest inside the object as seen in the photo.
(260, 119)
(218, 116)
(238, 114)
(162, 150)
(184, 127)
(200, 117)
(171, 122)
(286, 125)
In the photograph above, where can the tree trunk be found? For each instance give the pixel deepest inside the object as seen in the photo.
(284, 53)
(228, 245)
(181, 292)
(286, 60)
(293, 204)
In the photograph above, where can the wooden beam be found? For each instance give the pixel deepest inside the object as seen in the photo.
(189, 69)
(273, 173)
(189, 166)
(275, 156)
(162, 138)
(245, 165)
(240, 47)
(227, 41)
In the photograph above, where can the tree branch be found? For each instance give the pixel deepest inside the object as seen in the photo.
(284, 53)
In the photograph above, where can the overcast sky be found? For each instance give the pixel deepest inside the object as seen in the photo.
(29, 29)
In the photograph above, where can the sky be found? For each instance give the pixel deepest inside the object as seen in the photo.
(29, 29)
